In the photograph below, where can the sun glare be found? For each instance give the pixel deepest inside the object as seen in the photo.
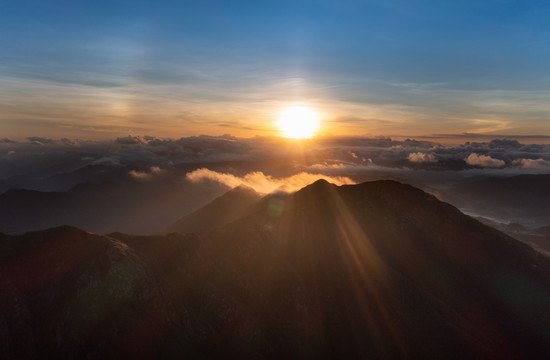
(298, 122)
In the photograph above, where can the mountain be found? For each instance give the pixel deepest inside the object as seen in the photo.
(375, 270)
(134, 206)
(410, 269)
(66, 293)
(223, 210)
(544, 230)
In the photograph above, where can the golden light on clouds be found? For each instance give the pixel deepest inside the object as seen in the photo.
(298, 122)
(263, 183)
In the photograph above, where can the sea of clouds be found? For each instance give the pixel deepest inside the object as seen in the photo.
(280, 163)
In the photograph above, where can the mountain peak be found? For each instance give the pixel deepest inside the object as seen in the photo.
(242, 187)
(321, 182)
(222, 210)
(318, 185)
(242, 190)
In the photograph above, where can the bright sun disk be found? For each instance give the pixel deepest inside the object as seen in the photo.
(298, 122)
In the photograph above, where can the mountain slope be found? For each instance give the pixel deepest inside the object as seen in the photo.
(383, 264)
(222, 210)
(71, 294)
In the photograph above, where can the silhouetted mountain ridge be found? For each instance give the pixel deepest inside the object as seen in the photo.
(408, 233)
(134, 206)
(374, 270)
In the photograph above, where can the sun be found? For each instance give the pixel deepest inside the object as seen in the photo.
(298, 122)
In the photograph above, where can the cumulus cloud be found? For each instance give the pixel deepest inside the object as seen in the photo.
(484, 161)
(537, 164)
(7, 141)
(420, 157)
(265, 183)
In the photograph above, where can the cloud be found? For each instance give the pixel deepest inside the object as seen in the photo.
(537, 164)
(360, 158)
(7, 141)
(484, 161)
(505, 143)
(69, 142)
(139, 174)
(35, 140)
(144, 175)
(325, 166)
(422, 157)
(63, 142)
(131, 140)
(265, 183)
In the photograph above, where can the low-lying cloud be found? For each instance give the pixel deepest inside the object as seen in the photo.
(484, 161)
(144, 175)
(536, 164)
(265, 183)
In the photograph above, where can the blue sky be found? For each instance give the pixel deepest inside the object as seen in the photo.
(176, 68)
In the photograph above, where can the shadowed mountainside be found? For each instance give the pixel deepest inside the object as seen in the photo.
(223, 210)
(134, 206)
(66, 293)
(376, 270)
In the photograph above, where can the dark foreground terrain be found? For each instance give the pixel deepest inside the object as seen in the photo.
(376, 270)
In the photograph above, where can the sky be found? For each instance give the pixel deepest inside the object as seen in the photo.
(106, 69)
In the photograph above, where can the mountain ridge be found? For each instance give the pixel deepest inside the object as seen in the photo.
(379, 269)
(222, 210)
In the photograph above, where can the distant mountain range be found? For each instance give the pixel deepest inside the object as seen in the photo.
(134, 206)
(521, 198)
(375, 270)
